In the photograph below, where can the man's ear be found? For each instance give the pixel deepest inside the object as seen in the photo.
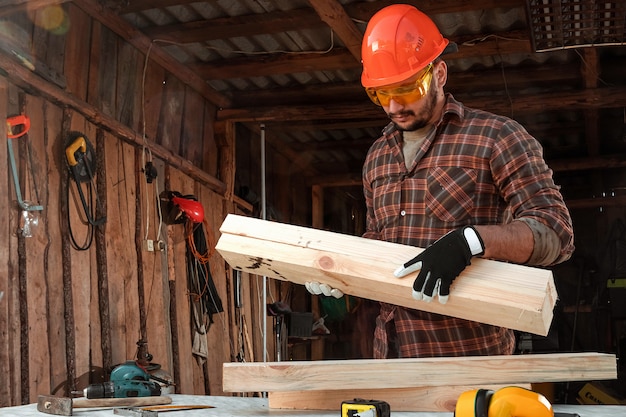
(440, 73)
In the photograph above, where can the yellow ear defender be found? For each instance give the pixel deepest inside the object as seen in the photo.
(505, 402)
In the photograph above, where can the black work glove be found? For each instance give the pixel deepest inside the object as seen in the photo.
(441, 262)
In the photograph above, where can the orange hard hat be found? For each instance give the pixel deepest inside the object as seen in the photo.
(399, 41)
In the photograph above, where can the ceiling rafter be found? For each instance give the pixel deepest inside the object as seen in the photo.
(527, 103)
(338, 20)
(236, 26)
(342, 59)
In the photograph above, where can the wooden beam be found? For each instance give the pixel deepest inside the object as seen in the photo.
(333, 13)
(236, 26)
(497, 293)
(459, 83)
(365, 10)
(594, 98)
(420, 399)
(417, 372)
(341, 58)
(274, 64)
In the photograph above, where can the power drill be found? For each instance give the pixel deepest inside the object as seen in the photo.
(126, 380)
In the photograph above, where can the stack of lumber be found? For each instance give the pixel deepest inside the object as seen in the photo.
(498, 293)
(419, 384)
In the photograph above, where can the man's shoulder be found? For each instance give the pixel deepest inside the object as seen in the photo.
(471, 114)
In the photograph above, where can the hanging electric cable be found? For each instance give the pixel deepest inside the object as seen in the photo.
(81, 160)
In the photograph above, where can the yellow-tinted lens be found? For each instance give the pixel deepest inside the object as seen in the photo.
(403, 94)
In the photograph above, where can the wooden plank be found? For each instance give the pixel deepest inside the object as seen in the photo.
(417, 372)
(497, 293)
(121, 252)
(77, 47)
(154, 265)
(191, 132)
(53, 119)
(84, 280)
(188, 367)
(218, 335)
(36, 245)
(422, 399)
(6, 313)
(170, 118)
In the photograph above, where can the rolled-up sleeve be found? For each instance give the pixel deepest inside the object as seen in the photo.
(527, 184)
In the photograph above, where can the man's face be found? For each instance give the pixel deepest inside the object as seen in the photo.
(414, 104)
(415, 115)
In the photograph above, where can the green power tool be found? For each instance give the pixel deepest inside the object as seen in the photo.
(126, 380)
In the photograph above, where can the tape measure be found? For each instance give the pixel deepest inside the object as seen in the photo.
(365, 408)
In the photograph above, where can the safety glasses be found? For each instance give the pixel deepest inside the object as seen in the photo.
(403, 94)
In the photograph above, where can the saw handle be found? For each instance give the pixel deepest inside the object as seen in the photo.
(70, 152)
(13, 122)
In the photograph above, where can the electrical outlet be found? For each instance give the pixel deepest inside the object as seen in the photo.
(148, 245)
(160, 245)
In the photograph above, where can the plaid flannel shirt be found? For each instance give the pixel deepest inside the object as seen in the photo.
(476, 168)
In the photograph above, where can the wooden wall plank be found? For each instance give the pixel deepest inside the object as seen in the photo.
(121, 252)
(83, 275)
(498, 293)
(77, 47)
(170, 117)
(53, 116)
(211, 160)
(49, 42)
(218, 335)
(35, 242)
(154, 266)
(400, 373)
(103, 69)
(153, 80)
(129, 86)
(6, 325)
(187, 366)
(18, 346)
(192, 135)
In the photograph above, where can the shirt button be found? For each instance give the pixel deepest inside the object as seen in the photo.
(403, 213)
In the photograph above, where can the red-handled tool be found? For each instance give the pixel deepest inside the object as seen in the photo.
(18, 126)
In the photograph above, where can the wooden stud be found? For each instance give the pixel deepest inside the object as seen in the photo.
(375, 374)
(498, 293)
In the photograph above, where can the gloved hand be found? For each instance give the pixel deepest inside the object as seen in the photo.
(441, 262)
(316, 288)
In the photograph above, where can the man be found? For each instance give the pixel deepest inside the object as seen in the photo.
(457, 181)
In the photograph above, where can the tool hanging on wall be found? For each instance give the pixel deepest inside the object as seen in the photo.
(177, 208)
(17, 127)
(81, 160)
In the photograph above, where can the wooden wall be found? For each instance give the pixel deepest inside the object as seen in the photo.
(68, 314)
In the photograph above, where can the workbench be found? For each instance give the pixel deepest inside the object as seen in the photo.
(258, 407)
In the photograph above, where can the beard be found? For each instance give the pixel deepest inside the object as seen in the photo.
(421, 120)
